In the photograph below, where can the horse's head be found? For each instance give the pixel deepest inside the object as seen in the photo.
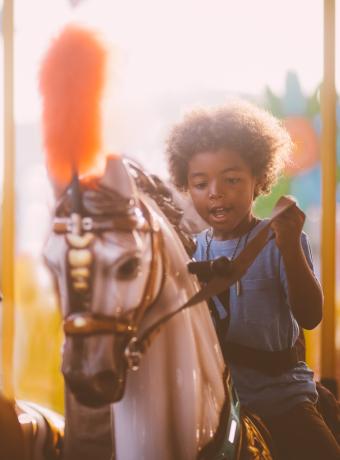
(106, 259)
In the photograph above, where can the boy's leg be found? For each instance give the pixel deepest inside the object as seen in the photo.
(302, 433)
(329, 408)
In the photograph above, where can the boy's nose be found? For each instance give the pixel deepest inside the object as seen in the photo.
(215, 195)
(215, 191)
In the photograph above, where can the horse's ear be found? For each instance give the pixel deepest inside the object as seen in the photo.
(118, 178)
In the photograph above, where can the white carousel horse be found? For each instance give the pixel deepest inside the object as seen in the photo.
(122, 278)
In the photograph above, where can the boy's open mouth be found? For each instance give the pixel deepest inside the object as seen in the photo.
(219, 212)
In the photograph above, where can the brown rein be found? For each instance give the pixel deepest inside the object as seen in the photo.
(88, 324)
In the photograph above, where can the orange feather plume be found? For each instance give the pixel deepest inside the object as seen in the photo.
(72, 77)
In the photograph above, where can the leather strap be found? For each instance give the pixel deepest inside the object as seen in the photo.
(241, 263)
(218, 284)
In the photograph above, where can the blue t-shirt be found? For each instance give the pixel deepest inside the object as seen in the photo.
(261, 318)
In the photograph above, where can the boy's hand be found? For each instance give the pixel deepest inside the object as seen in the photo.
(287, 228)
(304, 291)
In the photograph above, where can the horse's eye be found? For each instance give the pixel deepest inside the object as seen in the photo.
(129, 269)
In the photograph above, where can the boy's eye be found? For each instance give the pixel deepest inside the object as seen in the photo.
(232, 180)
(200, 185)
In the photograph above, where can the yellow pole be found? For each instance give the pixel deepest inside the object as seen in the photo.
(328, 161)
(8, 230)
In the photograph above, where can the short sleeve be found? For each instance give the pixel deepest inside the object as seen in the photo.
(200, 240)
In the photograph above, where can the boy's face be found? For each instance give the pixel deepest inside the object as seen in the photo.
(222, 188)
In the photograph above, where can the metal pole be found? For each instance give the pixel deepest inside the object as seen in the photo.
(328, 161)
(8, 229)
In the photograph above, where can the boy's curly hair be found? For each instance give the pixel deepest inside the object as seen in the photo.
(240, 126)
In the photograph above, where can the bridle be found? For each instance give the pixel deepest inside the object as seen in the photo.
(80, 233)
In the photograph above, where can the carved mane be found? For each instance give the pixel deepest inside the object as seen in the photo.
(156, 188)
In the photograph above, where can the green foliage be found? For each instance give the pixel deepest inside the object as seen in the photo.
(273, 102)
(265, 204)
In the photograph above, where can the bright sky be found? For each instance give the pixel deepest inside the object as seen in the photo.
(238, 46)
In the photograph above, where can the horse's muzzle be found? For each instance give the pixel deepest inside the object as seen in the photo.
(102, 388)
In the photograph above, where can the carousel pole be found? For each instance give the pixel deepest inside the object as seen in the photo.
(8, 228)
(328, 162)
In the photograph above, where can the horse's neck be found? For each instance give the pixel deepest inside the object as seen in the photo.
(172, 404)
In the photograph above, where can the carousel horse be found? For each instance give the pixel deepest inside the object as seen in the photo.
(133, 338)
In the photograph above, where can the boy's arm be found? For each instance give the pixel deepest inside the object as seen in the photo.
(304, 291)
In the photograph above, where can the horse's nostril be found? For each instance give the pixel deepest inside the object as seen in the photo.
(77, 383)
(103, 381)
(102, 388)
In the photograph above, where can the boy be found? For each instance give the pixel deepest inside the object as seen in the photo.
(226, 157)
